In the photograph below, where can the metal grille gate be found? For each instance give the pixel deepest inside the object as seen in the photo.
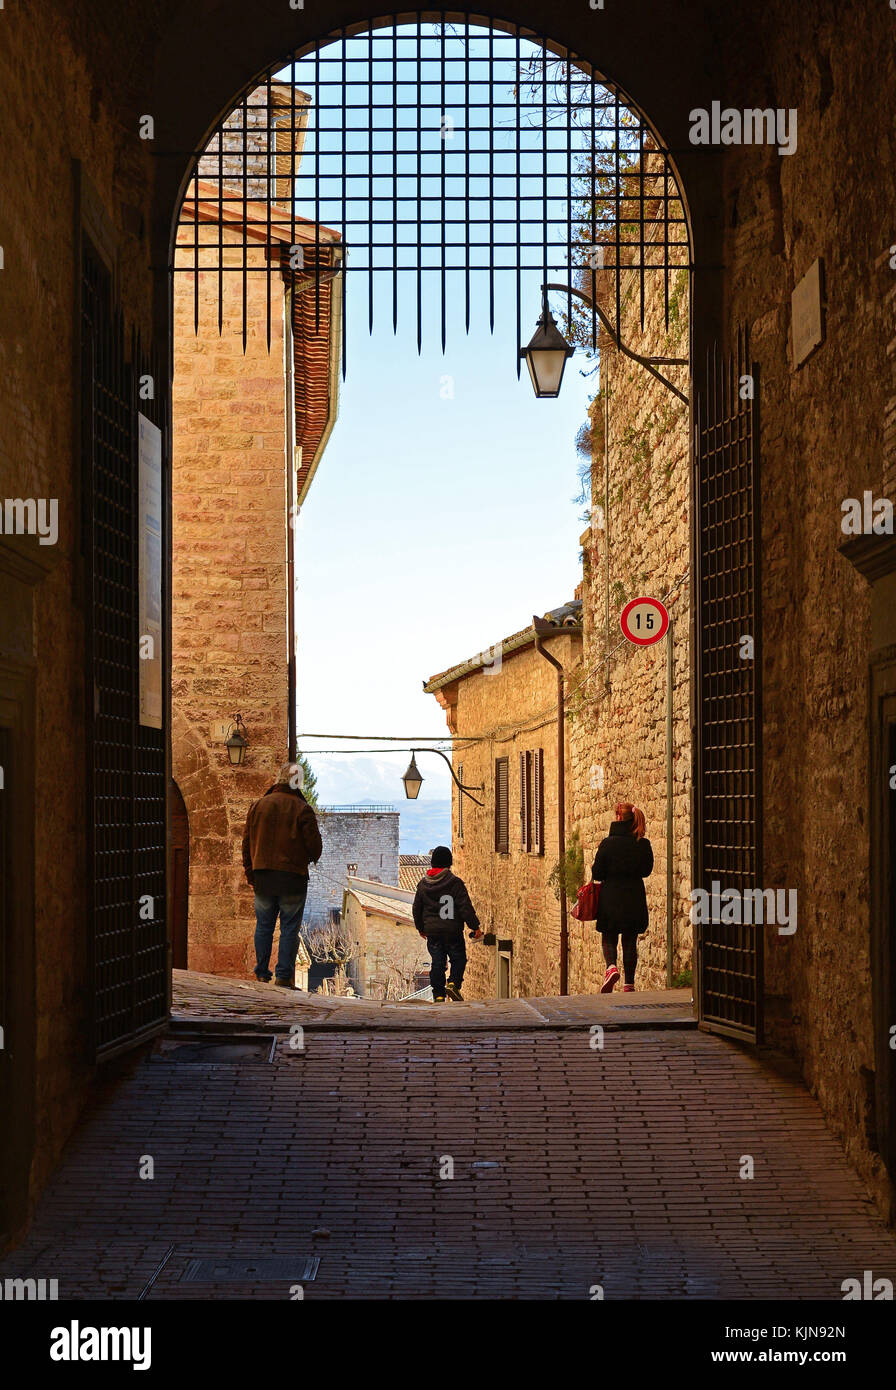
(126, 770)
(727, 832)
(443, 156)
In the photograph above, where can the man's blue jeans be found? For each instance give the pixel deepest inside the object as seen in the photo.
(290, 907)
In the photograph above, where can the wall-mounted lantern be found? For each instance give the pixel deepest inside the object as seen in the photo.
(236, 742)
(413, 778)
(547, 352)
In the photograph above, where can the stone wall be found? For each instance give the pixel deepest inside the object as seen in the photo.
(637, 543)
(367, 839)
(251, 157)
(229, 585)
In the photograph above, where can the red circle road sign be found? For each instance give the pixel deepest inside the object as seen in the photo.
(644, 620)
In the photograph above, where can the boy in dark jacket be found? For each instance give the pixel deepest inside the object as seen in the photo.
(441, 907)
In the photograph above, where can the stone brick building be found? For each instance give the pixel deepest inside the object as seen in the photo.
(391, 954)
(501, 707)
(360, 841)
(250, 422)
(92, 201)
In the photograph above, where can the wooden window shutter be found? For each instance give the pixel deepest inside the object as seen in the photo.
(538, 801)
(502, 830)
(523, 815)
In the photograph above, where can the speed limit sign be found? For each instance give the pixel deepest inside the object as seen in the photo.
(644, 620)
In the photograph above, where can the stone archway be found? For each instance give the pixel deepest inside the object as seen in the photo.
(650, 171)
(220, 915)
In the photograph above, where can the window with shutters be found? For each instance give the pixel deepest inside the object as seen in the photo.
(532, 801)
(460, 805)
(502, 821)
(525, 802)
(537, 836)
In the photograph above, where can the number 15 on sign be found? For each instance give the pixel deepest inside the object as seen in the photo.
(644, 620)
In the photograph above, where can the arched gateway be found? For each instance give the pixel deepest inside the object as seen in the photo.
(443, 154)
(496, 203)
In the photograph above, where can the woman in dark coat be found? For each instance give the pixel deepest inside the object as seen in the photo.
(623, 861)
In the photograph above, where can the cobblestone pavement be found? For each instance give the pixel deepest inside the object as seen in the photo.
(573, 1166)
(200, 998)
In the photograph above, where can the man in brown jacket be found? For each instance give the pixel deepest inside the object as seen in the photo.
(280, 840)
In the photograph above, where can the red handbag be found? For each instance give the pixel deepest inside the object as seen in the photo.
(588, 897)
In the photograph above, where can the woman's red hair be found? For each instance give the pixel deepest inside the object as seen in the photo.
(626, 811)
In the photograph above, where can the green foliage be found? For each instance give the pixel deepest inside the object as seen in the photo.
(680, 284)
(309, 789)
(568, 874)
(683, 979)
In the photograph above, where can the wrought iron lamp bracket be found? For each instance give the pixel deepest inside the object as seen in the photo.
(648, 363)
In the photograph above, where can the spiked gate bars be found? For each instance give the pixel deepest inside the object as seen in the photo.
(436, 155)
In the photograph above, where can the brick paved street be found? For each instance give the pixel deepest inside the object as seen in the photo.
(573, 1167)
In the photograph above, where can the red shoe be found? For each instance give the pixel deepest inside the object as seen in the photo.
(628, 989)
(610, 979)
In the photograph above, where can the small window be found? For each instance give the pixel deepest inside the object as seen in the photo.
(502, 824)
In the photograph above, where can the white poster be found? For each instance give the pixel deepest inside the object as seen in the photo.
(150, 572)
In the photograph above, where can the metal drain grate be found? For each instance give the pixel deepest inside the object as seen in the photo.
(295, 1269)
(682, 1008)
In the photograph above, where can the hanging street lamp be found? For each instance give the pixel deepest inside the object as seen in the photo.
(413, 780)
(546, 355)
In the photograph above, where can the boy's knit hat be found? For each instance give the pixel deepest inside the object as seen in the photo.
(441, 857)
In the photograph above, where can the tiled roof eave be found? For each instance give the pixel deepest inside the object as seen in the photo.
(509, 646)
